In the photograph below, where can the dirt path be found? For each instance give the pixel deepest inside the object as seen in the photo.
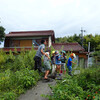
(35, 93)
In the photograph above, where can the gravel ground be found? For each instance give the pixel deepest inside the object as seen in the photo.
(35, 93)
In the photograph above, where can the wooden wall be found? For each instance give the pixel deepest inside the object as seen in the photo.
(25, 43)
(82, 55)
(21, 43)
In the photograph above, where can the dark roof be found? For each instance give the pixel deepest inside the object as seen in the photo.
(32, 33)
(68, 46)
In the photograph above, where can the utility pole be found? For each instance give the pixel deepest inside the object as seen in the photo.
(82, 31)
(88, 51)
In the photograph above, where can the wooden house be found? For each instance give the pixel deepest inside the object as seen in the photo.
(28, 38)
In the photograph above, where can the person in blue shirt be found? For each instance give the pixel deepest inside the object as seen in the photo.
(58, 62)
(69, 63)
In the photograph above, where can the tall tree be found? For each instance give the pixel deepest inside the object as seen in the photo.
(94, 41)
(2, 34)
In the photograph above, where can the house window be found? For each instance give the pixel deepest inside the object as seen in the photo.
(36, 42)
(14, 43)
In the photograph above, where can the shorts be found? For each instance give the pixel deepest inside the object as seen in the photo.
(58, 63)
(47, 65)
(63, 66)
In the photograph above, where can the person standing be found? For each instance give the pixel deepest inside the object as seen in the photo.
(63, 62)
(53, 62)
(47, 65)
(69, 63)
(58, 62)
(40, 52)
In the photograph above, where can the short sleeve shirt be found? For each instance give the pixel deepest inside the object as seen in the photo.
(69, 63)
(39, 54)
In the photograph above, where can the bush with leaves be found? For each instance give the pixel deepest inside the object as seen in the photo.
(16, 73)
(85, 86)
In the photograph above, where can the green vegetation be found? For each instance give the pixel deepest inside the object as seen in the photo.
(94, 40)
(96, 56)
(85, 86)
(16, 74)
(2, 34)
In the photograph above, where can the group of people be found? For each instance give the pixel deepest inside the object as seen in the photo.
(58, 61)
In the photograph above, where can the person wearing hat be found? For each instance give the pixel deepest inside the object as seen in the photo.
(47, 65)
(53, 62)
(69, 63)
(63, 61)
(58, 62)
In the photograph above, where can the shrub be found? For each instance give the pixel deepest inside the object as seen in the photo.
(8, 96)
(86, 85)
(16, 74)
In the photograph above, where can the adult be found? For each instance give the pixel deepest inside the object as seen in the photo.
(40, 52)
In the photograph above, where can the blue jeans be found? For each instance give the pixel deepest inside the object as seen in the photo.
(70, 70)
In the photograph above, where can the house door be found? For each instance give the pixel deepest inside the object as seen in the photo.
(81, 62)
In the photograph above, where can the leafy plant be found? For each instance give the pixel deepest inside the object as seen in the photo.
(16, 74)
(84, 86)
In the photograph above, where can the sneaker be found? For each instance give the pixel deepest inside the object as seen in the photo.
(48, 80)
(60, 75)
(59, 78)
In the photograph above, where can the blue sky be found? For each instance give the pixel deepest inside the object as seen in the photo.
(65, 17)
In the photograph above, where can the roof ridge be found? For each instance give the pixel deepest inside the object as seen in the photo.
(17, 32)
(66, 43)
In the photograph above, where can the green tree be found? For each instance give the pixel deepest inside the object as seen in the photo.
(2, 34)
(94, 41)
(97, 42)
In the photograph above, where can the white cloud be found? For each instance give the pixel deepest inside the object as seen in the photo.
(63, 16)
(56, 3)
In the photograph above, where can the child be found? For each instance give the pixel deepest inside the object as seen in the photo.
(63, 59)
(58, 62)
(69, 63)
(53, 62)
(47, 66)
